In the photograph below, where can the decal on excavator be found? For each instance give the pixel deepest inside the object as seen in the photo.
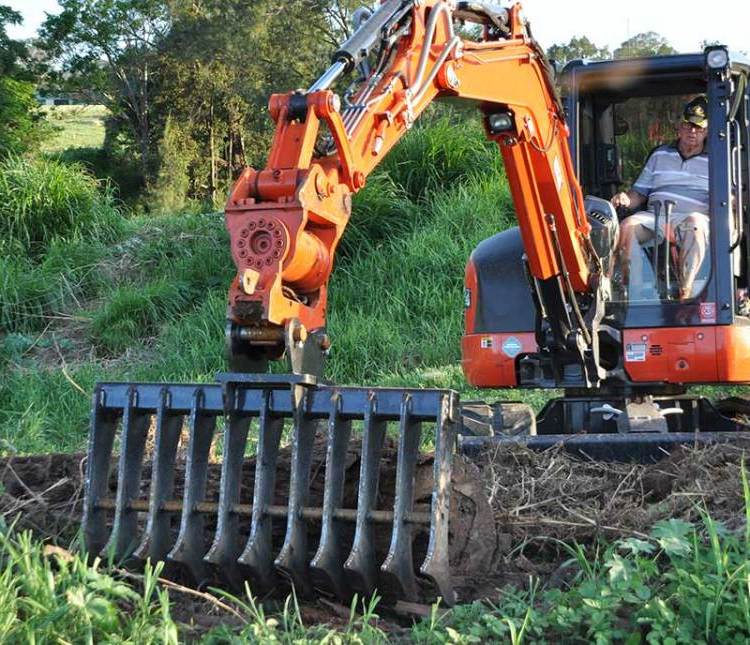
(635, 352)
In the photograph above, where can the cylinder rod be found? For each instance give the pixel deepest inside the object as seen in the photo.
(330, 76)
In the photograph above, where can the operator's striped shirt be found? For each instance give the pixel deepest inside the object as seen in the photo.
(669, 175)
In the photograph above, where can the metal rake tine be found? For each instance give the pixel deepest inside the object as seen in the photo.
(327, 567)
(189, 548)
(292, 560)
(436, 565)
(227, 547)
(156, 540)
(123, 539)
(398, 569)
(101, 441)
(360, 566)
(258, 556)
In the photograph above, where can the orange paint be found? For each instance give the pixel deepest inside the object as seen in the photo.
(489, 360)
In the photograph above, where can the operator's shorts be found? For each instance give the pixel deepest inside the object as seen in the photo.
(676, 222)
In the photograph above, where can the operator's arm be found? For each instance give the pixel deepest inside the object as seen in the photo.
(637, 196)
(631, 199)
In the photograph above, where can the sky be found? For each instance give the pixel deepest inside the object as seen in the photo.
(684, 23)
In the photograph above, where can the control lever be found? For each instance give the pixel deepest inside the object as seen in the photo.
(655, 255)
(668, 208)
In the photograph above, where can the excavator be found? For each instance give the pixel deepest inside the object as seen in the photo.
(545, 307)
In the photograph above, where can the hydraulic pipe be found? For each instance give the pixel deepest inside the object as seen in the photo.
(361, 43)
(329, 77)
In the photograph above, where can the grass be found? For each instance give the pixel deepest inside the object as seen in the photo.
(78, 126)
(53, 596)
(43, 200)
(683, 583)
(151, 301)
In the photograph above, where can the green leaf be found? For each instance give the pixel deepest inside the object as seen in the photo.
(619, 569)
(637, 546)
(673, 536)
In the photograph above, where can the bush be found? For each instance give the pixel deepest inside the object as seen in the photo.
(21, 122)
(133, 314)
(42, 200)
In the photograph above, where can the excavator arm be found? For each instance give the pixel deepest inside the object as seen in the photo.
(285, 221)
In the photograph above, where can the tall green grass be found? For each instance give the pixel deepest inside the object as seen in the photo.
(156, 299)
(398, 307)
(43, 200)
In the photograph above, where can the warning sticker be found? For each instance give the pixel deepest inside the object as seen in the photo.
(635, 352)
(486, 342)
(512, 347)
(708, 312)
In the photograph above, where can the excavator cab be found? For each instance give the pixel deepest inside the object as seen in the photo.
(620, 112)
(652, 344)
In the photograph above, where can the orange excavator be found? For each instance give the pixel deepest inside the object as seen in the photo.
(623, 363)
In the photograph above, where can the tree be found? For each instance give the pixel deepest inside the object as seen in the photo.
(20, 118)
(108, 50)
(579, 47)
(11, 51)
(645, 44)
(216, 82)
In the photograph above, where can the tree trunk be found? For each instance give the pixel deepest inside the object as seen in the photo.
(212, 148)
(230, 154)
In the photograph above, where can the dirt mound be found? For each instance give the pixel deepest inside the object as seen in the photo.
(542, 499)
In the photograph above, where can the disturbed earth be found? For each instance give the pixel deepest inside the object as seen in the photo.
(509, 512)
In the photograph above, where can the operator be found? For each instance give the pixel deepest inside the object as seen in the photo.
(679, 172)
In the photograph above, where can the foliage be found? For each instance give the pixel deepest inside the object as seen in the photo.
(11, 51)
(648, 43)
(217, 104)
(177, 150)
(42, 200)
(22, 125)
(21, 122)
(107, 49)
(46, 598)
(579, 47)
(287, 625)
(681, 584)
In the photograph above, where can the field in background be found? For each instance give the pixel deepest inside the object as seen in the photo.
(79, 126)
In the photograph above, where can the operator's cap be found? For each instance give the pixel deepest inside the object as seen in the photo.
(696, 111)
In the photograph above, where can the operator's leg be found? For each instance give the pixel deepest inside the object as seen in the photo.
(634, 231)
(693, 236)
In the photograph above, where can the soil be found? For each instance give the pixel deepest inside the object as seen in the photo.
(508, 512)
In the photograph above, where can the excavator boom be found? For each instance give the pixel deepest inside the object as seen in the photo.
(285, 221)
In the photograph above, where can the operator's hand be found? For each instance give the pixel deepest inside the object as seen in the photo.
(620, 200)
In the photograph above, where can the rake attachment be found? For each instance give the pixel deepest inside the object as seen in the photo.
(141, 520)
